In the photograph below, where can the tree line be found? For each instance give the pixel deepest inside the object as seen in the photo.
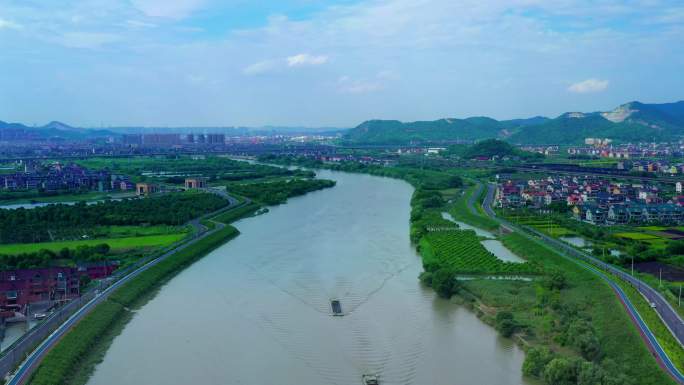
(34, 225)
(273, 193)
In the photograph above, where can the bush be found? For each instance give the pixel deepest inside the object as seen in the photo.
(560, 371)
(556, 280)
(535, 361)
(444, 283)
(426, 278)
(506, 324)
(676, 248)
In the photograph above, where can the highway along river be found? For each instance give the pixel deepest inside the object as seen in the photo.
(257, 310)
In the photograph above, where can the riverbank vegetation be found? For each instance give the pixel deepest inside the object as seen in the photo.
(43, 224)
(570, 323)
(460, 252)
(71, 361)
(172, 169)
(277, 192)
(116, 244)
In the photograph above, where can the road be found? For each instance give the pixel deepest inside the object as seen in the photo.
(655, 178)
(604, 271)
(26, 368)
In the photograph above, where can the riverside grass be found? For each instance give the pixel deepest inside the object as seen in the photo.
(619, 339)
(124, 243)
(64, 362)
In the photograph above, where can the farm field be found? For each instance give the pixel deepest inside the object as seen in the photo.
(636, 236)
(123, 243)
(461, 252)
(136, 231)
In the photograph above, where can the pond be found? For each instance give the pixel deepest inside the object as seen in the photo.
(464, 226)
(577, 241)
(500, 251)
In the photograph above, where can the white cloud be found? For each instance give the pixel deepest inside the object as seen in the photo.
(274, 65)
(170, 9)
(8, 24)
(304, 59)
(345, 84)
(87, 39)
(259, 68)
(139, 24)
(589, 86)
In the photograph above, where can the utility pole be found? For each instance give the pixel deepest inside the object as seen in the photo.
(632, 266)
(661, 277)
(680, 295)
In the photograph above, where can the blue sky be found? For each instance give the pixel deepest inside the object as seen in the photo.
(331, 63)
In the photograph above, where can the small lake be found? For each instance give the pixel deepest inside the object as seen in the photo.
(465, 226)
(43, 204)
(577, 241)
(500, 251)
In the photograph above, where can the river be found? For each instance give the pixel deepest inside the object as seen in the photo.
(257, 310)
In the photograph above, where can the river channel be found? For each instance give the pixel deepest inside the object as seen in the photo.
(257, 310)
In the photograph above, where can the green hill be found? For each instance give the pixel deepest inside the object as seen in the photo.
(629, 122)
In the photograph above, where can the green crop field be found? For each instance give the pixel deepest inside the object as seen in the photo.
(114, 243)
(554, 230)
(462, 252)
(636, 236)
(652, 228)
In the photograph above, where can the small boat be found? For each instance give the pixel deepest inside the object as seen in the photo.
(370, 379)
(336, 307)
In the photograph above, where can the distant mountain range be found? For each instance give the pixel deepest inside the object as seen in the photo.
(61, 131)
(52, 130)
(629, 122)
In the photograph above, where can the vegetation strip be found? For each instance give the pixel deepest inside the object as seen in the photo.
(70, 361)
(649, 334)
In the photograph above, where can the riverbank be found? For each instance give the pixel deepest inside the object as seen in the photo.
(570, 322)
(261, 305)
(568, 327)
(72, 360)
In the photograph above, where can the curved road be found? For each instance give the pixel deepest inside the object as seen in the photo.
(26, 368)
(670, 317)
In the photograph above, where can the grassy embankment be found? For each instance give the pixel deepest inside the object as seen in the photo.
(74, 358)
(116, 244)
(570, 321)
(668, 290)
(461, 211)
(580, 321)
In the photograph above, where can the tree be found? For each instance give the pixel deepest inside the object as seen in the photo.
(507, 327)
(560, 371)
(559, 207)
(676, 248)
(535, 361)
(65, 253)
(426, 278)
(84, 280)
(556, 280)
(444, 283)
(589, 373)
(505, 323)
(589, 345)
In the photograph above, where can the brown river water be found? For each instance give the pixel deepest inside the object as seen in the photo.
(257, 309)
